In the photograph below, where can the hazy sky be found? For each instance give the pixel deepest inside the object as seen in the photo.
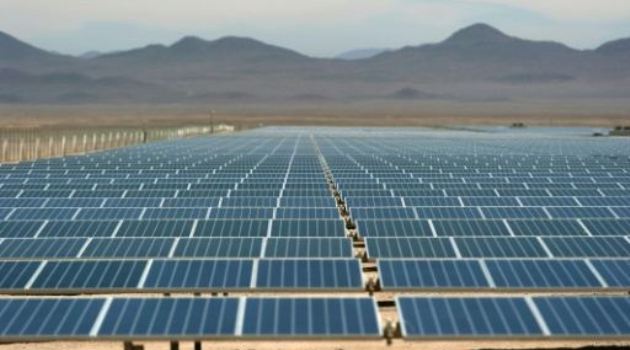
(314, 27)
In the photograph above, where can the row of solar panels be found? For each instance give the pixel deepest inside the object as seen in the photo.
(322, 192)
(498, 247)
(505, 274)
(309, 213)
(314, 201)
(207, 275)
(491, 191)
(192, 202)
(207, 179)
(493, 227)
(43, 248)
(371, 201)
(317, 318)
(376, 248)
(187, 318)
(314, 179)
(136, 213)
(172, 228)
(489, 212)
(179, 275)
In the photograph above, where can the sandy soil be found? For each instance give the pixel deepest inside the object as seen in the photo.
(320, 345)
(139, 116)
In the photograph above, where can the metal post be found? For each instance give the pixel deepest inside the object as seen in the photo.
(197, 345)
(174, 345)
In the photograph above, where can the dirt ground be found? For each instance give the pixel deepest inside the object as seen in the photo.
(177, 115)
(319, 345)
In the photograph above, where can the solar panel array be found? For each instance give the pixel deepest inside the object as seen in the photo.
(256, 212)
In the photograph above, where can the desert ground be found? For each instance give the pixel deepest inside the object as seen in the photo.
(432, 113)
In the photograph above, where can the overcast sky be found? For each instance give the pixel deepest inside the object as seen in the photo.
(314, 27)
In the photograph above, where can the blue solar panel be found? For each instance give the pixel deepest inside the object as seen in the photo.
(614, 272)
(466, 318)
(450, 228)
(410, 248)
(308, 247)
(219, 247)
(19, 229)
(535, 274)
(309, 274)
(500, 247)
(586, 316)
(40, 319)
(588, 246)
(15, 275)
(175, 318)
(394, 228)
(127, 248)
(431, 274)
(199, 275)
(41, 248)
(84, 276)
(311, 318)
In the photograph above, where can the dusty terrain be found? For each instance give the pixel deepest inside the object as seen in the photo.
(403, 114)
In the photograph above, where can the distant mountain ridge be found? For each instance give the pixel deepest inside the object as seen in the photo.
(359, 54)
(478, 62)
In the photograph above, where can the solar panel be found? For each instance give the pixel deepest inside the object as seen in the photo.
(608, 227)
(107, 214)
(431, 274)
(309, 274)
(546, 227)
(41, 248)
(205, 275)
(39, 214)
(586, 316)
(19, 229)
(225, 247)
(409, 248)
(500, 247)
(523, 274)
(231, 228)
(127, 248)
(382, 213)
(61, 229)
(614, 272)
(307, 213)
(308, 247)
(15, 275)
(588, 246)
(308, 228)
(88, 275)
(514, 213)
(466, 318)
(447, 228)
(171, 318)
(42, 319)
(155, 228)
(580, 212)
(311, 318)
(393, 228)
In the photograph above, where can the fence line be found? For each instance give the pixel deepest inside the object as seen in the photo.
(33, 143)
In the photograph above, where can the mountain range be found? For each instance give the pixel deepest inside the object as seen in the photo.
(476, 63)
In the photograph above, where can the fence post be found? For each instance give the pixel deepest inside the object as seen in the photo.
(63, 145)
(20, 150)
(5, 145)
(50, 146)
